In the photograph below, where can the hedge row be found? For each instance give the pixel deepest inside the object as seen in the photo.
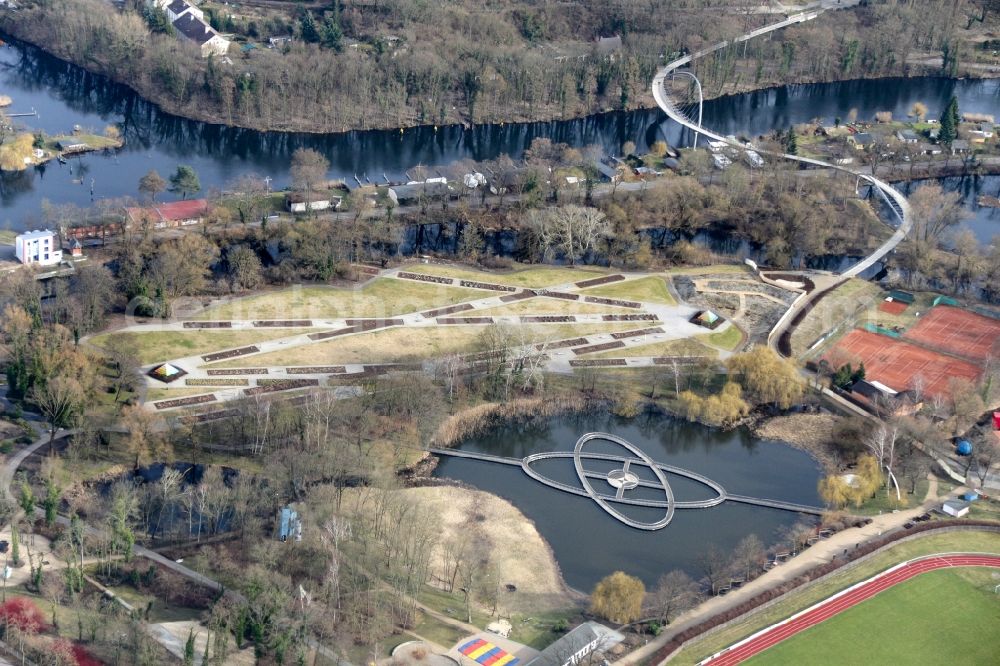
(217, 382)
(593, 282)
(472, 284)
(424, 278)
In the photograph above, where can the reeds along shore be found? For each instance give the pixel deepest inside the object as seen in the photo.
(480, 418)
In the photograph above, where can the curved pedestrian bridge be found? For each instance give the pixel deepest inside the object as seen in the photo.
(610, 490)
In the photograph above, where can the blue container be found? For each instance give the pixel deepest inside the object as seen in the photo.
(964, 447)
(970, 497)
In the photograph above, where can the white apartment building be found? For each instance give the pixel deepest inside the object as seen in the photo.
(37, 247)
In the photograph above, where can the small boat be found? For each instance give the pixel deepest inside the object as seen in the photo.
(62, 160)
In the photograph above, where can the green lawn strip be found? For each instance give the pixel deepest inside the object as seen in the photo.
(156, 346)
(939, 617)
(726, 339)
(382, 297)
(709, 270)
(537, 630)
(397, 345)
(680, 347)
(652, 289)
(883, 502)
(537, 276)
(546, 306)
(971, 541)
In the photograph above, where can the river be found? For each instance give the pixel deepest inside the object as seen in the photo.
(65, 95)
(588, 544)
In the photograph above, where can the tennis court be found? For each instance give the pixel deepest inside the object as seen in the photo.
(958, 332)
(898, 364)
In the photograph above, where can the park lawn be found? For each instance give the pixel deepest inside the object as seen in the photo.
(382, 297)
(536, 276)
(650, 289)
(397, 345)
(940, 617)
(802, 598)
(93, 141)
(726, 339)
(679, 347)
(546, 306)
(155, 394)
(7, 236)
(157, 346)
(838, 307)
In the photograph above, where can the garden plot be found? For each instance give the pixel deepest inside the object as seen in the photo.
(651, 289)
(535, 277)
(382, 297)
(156, 346)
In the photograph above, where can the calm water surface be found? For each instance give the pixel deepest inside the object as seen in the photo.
(65, 95)
(589, 544)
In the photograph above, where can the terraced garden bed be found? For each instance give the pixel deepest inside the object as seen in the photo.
(597, 362)
(208, 324)
(604, 346)
(547, 319)
(316, 370)
(521, 295)
(636, 333)
(222, 381)
(276, 385)
(593, 282)
(425, 278)
(630, 317)
(561, 294)
(464, 320)
(488, 286)
(184, 402)
(232, 353)
(332, 334)
(283, 323)
(452, 309)
(613, 301)
(237, 371)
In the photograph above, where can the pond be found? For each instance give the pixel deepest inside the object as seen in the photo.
(983, 221)
(588, 543)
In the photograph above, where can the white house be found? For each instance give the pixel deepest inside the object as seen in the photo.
(298, 202)
(37, 247)
(195, 29)
(956, 508)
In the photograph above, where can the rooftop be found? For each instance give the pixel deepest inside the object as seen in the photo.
(194, 28)
(176, 210)
(572, 648)
(38, 233)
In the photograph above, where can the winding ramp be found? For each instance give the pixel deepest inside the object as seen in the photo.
(895, 200)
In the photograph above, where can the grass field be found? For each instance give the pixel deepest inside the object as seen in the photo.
(836, 308)
(165, 345)
(681, 347)
(726, 339)
(405, 344)
(650, 289)
(709, 270)
(971, 541)
(535, 276)
(941, 617)
(382, 297)
(544, 306)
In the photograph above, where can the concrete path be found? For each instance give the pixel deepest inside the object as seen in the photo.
(822, 552)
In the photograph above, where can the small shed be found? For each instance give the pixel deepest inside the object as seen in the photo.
(956, 508)
(707, 318)
(901, 296)
(289, 525)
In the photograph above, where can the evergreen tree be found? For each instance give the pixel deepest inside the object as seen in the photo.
(15, 546)
(51, 502)
(791, 142)
(307, 25)
(185, 180)
(949, 123)
(189, 649)
(333, 36)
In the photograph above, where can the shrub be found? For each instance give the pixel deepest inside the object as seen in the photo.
(23, 614)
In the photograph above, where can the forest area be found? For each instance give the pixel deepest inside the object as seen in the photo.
(364, 64)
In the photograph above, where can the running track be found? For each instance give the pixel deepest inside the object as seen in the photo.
(842, 601)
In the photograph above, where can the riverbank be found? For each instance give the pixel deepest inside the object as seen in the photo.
(812, 433)
(151, 89)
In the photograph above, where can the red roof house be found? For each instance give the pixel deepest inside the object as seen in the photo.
(173, 214)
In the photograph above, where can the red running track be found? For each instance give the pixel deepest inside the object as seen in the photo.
(824, 610)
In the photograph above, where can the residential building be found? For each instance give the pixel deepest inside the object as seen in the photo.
(412, 193)
(162, 216)
(861, 140)
(37, 247)
(300, 202)
(959, 147)
(907, 136)
(195, 29)
(174, 9)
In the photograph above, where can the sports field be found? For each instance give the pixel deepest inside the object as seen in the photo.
(942, 617)
(957, 331)
(898, 364)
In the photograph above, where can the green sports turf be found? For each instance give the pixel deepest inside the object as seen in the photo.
(950, 616)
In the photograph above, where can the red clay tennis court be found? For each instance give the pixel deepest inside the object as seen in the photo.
(897, 363)
(957, 331)
(893, 307)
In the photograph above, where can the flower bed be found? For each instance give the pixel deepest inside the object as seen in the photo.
(232, 353)
(547, 319)
(237, 371)
(604, 346)
(667, 360)
(465, 320)
(486, 285)
(519, 296)
(332, 334)
(316, 370)
(636, 333)
(275, 385)
(451, 309)
(630, 317)
(232, 381)
(559, 344)
(382, 368)
(597, 362)
(372, 324)
(208, 324)
(561, 294)
(282, 323)
(613, 301)
(184, 402)
(425, 278)
(593, 282)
